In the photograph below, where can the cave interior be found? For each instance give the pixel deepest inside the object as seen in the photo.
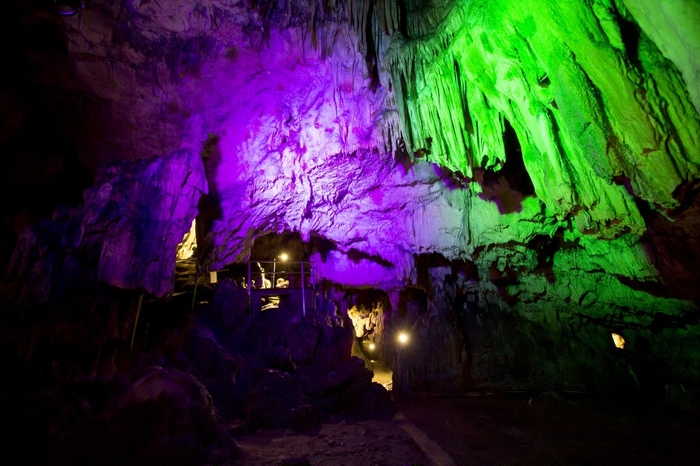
(227, 216)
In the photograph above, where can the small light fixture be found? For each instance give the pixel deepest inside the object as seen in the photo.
(68, 7)
(284, 257)
(372, 346)
(618, 340)
(403, 338)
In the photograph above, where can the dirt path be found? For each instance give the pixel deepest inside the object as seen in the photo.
(554, 429)
(336, 443)
(493, 429)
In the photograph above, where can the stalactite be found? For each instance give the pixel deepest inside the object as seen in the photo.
(571, 113)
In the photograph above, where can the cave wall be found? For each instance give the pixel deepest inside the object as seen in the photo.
(546, 152)
(135, 211)
(580, 92)
(585, 98)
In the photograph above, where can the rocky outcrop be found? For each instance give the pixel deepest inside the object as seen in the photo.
(134, 213)
(165, 415)
(279, 368)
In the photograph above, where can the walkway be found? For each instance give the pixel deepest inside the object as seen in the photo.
(552, 429)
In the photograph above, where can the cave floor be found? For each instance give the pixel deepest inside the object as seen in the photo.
(493, 429)
(337, 442)
(555, 429)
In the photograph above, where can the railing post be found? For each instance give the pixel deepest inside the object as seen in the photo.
(250, 285)
(303, 292)
(196, 281)
(136, 322)
(312, 275)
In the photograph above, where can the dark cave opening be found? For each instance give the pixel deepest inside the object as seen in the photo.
(509, 185)
(412, 301)
(546, 247)
(672, 241)
(44, 126)
(427, 261)
(269, 245)
(514, 167)
(369, 309)
(631, 36)
(370, 54)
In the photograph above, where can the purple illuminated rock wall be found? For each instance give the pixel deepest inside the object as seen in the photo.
(294, 135)
(135, 211)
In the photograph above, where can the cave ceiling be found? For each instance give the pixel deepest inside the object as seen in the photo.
(534, 139)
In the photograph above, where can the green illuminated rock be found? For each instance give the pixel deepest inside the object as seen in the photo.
(673, 26)
(603, 97)
(591, 97)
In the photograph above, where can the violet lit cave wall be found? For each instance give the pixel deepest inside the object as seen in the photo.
(512, 185)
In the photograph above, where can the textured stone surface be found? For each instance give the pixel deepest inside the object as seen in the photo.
(584, 99)
(543, 156)
(164, 415)
(672, 27)
(135, 211)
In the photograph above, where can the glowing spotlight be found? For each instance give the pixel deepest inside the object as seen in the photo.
(372, 346)
(284, 257)
(618, 340)
(403, 338)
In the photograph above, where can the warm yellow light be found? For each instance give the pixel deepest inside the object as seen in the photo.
(284, 256)
(403, 338)
(372, 346)
(618, 340)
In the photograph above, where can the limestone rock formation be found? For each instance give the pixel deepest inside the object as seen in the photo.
(135, 211)
(530, 167)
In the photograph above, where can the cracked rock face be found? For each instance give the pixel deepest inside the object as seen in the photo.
(547, 153)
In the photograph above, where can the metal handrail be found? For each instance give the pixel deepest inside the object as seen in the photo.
(306, 270)
(279, 262)
(273, 283)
